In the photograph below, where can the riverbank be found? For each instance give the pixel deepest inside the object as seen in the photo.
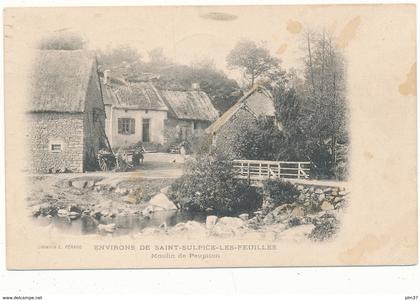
(137, 206)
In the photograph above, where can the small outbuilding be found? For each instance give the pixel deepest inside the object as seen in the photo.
(189, 114)
(257, 102)
(66, 114)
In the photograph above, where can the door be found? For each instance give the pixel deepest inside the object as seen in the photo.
(146, 130)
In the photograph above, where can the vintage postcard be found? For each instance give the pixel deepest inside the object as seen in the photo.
(210, 136)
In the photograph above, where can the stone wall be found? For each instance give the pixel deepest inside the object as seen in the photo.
(56, 128)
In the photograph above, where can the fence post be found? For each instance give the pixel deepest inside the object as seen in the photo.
(279, 175)
(298, 175)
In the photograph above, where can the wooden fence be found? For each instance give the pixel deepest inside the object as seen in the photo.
(263, 169)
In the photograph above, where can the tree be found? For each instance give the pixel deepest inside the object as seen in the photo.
(325, 101)
(289, 112)
(254, 61)
(123, 60)
(62, 40)
(157, 56)
(223, 91)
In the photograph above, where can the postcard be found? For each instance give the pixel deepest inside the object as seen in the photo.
(210, 136)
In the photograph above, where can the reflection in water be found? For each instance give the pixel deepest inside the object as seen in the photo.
(124, 224)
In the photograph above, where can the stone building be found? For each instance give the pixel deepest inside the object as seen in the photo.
(256, 103)
(138, 112)
(189, 114)
(66, 114)
(134, 113)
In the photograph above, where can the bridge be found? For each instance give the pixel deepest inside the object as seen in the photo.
(257, 170)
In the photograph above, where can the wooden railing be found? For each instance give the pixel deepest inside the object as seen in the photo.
(263, 169)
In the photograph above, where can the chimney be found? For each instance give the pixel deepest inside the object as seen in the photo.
(195, 86)
(106, 76)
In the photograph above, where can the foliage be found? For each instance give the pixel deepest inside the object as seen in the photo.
(325, 228)
(157, 57)
(122, 60)
(208, 184)
(325, 104)
(254, 61)
(259, 141)
(222, 90)
(280, 192)
(288, 107)
(62, 40)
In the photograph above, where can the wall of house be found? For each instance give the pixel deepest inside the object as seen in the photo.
(174, 129)
(64, 128)
(225, 140)
(94, 122)
(157, 120)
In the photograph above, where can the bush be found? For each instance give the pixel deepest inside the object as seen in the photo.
(280, 191)
(325, 228)
(209, 185)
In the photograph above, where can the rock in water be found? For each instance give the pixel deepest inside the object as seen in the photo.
(74, 215)
(147, 211)
(62, 213)
(210, 221)
(297, 212)
(231, 222)
(80, 184)
(162, 201)
(244, 217)
(109, 228)
(327, 206)
(269, 219)
(165, 190)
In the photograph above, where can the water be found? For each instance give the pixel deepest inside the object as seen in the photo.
(124, 224)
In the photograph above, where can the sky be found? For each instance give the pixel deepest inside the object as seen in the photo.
(186, 34)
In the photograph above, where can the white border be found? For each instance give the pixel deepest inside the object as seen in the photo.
(291, 283)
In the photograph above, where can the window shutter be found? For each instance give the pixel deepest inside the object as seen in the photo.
(132, 126)
(120, 126)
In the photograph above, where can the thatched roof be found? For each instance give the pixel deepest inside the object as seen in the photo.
(190, 105)
(138, 96)
(242, 103)
(60, 80)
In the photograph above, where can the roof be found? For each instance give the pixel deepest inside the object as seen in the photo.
(60, 80)
(241, 103)
(137, 96)
(108, 95)
(190, 105)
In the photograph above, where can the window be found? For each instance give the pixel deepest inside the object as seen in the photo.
(55, 147)
(146, 130)
(126, 126)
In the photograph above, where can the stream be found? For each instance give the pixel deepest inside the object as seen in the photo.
(124, 224)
